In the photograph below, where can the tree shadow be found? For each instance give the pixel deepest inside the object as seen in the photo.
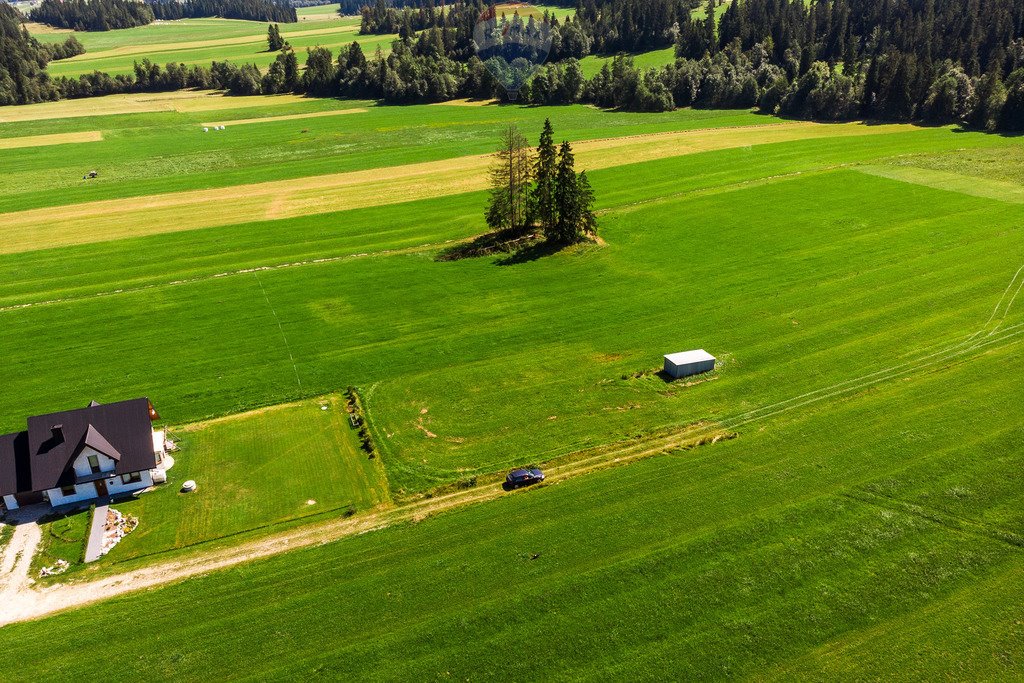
(530, 252)
(488, 244)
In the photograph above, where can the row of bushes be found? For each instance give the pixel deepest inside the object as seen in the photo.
(357, 418)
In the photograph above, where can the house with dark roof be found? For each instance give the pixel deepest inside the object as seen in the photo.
(81, 454)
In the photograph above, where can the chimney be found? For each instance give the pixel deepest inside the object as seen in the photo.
(58, 433)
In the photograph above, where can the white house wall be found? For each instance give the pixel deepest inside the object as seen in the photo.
(87, 491)
(82, 468)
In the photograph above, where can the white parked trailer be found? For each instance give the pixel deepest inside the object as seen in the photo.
(688, 363)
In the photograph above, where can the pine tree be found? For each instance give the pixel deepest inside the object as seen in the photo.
(544, 171)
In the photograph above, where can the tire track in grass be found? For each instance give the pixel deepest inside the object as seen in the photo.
(241, 271)
(941, 354)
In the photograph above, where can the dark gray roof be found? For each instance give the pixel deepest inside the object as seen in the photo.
(14, 466)
(121, 430)
(94, 440)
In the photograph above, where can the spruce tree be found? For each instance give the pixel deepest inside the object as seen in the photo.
(709, 28)
(274, 40)
(544, 174)
(567, 199)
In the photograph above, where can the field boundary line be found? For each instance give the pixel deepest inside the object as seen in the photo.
(280, 327)
(948, 520)
(286, 117)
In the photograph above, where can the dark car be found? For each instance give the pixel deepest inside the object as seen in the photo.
(524, 477)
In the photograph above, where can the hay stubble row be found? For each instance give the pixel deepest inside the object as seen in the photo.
(181, 211)
(53, 139)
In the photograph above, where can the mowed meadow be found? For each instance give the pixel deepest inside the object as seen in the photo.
(860, 284)
(200, 41)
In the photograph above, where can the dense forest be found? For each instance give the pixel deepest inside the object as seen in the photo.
(250, 10)
(92, 15)
(104, 15)
(23, 76)
(934, 60)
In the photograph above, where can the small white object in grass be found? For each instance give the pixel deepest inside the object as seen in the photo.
(323, 407)
(188, 486)
(206, 130)
(310, 502)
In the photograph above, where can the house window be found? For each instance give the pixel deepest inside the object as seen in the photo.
(132, 478)
(94, 464)
(67, 490)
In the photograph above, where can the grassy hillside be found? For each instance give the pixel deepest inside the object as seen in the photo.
(645, 60)
(200, 41)
(860, 285)
(821, 547)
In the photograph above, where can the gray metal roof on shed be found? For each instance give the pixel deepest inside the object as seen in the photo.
(686, 357)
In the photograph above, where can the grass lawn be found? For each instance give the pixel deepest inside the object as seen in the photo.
(63, 538)
(651, 59)
(255, 470)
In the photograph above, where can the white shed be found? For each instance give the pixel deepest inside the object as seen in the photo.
(688, 363)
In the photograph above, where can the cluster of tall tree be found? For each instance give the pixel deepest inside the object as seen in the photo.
(459, 22)
(632, 25)
(539, 189)
(71, 47)
(940, 60)
(275, 41)
(251, 10)
(92, 15)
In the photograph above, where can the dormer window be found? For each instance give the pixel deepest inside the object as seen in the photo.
(94, 464)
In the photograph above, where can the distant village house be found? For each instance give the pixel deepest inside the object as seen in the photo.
(82, 454)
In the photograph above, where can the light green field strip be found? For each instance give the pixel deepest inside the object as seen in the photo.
(55, 139)
(180, 101)
(201, 44)
(180, 211)
(286, 117)
(975, 186)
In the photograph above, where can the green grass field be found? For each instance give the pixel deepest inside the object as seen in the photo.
(860, 289)
(200, 41)
(257, 472)
(653, 59)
